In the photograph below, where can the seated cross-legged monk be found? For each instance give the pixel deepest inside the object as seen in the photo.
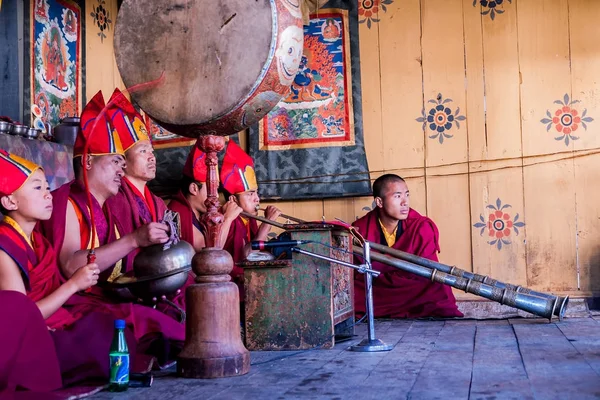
(69, 232)
(396, 293)
(239, 185)
(28, 265)
(189, 202)
(135, 205)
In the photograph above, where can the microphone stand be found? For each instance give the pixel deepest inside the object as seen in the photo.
(371, 344)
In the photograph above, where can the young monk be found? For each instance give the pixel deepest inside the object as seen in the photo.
(189, 202)
(28, 265)
(69, 232)
(399, 294)
(239, 184)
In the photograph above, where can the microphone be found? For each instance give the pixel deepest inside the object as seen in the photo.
(262, 245)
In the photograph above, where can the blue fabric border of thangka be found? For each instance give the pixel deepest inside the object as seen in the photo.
(318, 172)
(9, 53)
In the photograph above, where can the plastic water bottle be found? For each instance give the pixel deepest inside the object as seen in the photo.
(119, 359)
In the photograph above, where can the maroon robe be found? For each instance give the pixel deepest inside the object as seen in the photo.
(188, 219)
(132, 210)
(28, 358)
(107, 226)
(73, 329)
(400, 294)
(239, 235)
(157, 334)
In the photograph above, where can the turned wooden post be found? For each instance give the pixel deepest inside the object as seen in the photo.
(213, 345)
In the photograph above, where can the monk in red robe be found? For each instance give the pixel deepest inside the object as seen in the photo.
(28, 265)
(189, 202)
(135, 205)
(399, 294)
(239, 185)
(69, 233)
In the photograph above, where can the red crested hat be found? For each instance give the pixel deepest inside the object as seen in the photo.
(195, 165)
(237, 172)
(104, 140)
(15, 171)
(126, 120)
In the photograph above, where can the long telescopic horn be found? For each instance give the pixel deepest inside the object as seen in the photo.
(285, 216)
(454, 270)
(540, 306)
(262, 219)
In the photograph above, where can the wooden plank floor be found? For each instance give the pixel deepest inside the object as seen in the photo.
(453, 359)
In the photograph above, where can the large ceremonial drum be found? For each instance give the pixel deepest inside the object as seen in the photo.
(226, 63)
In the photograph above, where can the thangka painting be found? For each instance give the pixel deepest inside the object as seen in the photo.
(318, 108)
(55, 54)
(310, 145)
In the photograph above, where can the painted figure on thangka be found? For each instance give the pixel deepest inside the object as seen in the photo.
(317, 106)
(55, 42)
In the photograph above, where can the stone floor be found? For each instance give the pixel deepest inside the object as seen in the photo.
(521, 358)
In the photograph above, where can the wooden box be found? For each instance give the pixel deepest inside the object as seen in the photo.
(302, 302)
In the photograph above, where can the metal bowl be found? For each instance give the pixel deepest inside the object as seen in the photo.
(20, 130)
(32, 133)
(5, 127)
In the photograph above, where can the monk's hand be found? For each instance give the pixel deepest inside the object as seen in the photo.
(231, 210)
(152, 233)
(85, 277)
(272, 213)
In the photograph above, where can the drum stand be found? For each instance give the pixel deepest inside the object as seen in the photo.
(213, 345)
(371, 343)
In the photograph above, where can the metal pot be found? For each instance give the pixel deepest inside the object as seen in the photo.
(66, 132)
(156, 288)
(161, 272)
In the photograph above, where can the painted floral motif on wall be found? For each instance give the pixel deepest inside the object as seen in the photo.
(500, 224)
(491, 7)
(101, 18)
(566, 120)
(368, 10)
(440, 119)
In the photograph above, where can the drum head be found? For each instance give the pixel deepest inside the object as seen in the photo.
(213, 55)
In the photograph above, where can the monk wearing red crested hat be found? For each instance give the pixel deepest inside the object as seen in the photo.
(135, 205)
(239, 185)
(69, 230)
(396, 293)
(32, 353)
(189, 202)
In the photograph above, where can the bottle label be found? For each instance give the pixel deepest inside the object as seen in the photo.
(119, 368)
